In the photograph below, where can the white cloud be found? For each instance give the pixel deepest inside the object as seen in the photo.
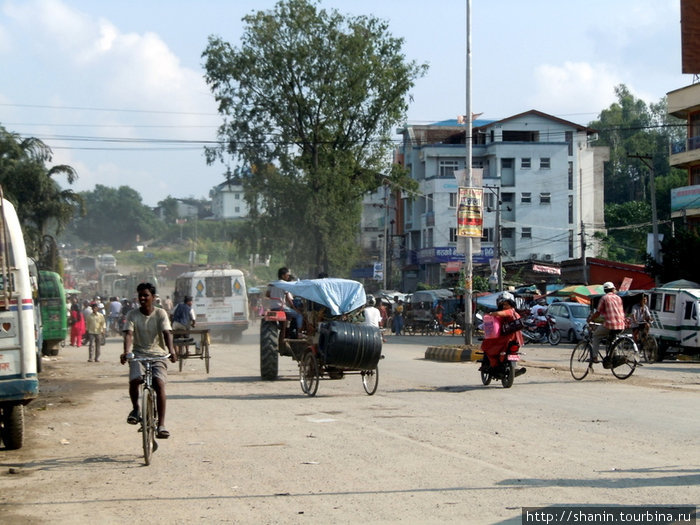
(573, 87)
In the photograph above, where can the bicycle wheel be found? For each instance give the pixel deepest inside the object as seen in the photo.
(624, 357)
(308, 373)
(370, 380)
(205, 354)
(579, 364)
(650, 349)
(148, 424)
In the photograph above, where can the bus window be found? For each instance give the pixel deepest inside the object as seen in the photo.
(669, 303)
(655, 303)
(690, 312)
(219, 286)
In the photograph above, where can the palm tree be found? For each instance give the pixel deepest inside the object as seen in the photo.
(43, 207)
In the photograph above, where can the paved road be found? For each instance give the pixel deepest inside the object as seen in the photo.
(432, 446)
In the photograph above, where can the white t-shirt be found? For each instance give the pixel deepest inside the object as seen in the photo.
(372, 316)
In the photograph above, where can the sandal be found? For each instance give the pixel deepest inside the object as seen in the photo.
(162, 433)
(133, 417)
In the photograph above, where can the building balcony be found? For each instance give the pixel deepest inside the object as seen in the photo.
(684, 153)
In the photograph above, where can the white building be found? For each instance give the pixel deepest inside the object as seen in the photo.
(548, 176)
(227, 200)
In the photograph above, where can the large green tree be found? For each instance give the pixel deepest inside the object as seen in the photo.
(116, 217)
(631, 128)
(309, 102)
(43, 206)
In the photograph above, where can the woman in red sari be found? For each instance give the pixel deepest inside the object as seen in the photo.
(77, 324)
(506, 312)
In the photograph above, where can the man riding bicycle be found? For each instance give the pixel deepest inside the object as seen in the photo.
(611, 310)
(148, 331)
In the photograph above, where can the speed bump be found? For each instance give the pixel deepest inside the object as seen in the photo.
(453, 353)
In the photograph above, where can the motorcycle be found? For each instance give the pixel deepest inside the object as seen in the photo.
(506, 370)
(541, 331)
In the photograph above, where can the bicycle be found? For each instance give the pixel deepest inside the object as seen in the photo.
(648, 346)
(621, 357)
(149, 407)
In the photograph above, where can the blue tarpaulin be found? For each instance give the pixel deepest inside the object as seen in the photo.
(339, 295)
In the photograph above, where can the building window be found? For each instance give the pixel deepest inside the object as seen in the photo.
(487, 235)
(237, 196)
(526, 197)
(507, 201)
(571, 244)
(571, 175)
(695, 175)
(506, 163)
(429, 203)
(237, 209)
(446, 168)
(526, 233)
(569, 138)
(571, 209)
(545, 163)
(545, 198)
(429, 239)
(453, 235)
(525, 163)
(453, 200)
(489, 200)
(508, 233)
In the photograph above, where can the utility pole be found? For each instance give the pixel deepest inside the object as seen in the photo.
(584, 270)
(647, 160)
(468, 266)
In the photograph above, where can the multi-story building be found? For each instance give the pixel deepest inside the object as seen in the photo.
(227, 200)
(684, 103)
(544, 170)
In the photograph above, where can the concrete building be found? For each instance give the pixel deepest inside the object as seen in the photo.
(227, 200)
(684, 103)
(547, 175)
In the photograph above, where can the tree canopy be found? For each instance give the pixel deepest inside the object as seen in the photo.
(309, 100)
(43, 207)
(632, 128)
(116, 216)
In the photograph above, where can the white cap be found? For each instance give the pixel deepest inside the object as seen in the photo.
(608, 286)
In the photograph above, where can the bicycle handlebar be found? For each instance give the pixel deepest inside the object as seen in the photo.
(131, 357)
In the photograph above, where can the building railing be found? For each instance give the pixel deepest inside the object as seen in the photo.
(681, 146)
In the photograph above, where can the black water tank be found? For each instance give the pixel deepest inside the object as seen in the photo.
(348, 345)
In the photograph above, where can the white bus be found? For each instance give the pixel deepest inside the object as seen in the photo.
(19, 383)
(219, 299)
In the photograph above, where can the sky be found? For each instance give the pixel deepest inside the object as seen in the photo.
(80, 73)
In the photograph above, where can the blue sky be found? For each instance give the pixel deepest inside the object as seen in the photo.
(72, 70)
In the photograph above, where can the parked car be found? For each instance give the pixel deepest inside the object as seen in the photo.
(570, 318)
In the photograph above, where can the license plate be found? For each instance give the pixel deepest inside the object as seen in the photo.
(513, 357)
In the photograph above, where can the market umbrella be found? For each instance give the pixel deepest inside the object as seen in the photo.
(581, 290)
(681, 283)
(72, 291)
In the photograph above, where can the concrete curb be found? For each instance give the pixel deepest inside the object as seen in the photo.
(453, 353)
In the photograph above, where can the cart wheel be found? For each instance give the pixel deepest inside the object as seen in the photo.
(370, 380)
(205, 353)
(308, 373)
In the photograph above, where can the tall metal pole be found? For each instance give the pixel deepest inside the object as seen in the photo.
(468, 141)
(386, 240)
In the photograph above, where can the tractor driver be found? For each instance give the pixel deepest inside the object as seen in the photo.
(282, 300)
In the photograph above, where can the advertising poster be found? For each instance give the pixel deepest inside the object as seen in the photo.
(470, 218)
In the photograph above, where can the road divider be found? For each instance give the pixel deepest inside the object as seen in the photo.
(453, 353)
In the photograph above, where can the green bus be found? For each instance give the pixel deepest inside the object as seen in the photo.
(54, 313)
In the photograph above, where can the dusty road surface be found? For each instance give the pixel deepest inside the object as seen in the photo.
(433, 445)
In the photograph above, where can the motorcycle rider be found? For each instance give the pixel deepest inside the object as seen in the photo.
(505, 303)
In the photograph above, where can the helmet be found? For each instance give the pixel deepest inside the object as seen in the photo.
(505, 297)
(608, 286)
(370, 300)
